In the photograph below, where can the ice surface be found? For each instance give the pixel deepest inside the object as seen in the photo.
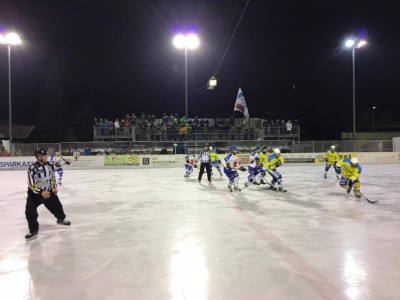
(151, 234)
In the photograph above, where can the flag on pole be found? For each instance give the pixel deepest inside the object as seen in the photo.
(241, 106)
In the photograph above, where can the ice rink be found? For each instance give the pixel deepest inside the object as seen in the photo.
(151, 234)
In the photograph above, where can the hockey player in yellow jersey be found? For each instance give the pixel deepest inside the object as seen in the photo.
(263, 164)
(331, 159)
(274, 161)
(351, 171)
(215, 161)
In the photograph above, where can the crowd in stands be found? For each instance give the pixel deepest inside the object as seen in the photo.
(279, 126)
(174, 127)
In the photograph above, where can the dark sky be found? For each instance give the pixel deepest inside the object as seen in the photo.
(112, 57)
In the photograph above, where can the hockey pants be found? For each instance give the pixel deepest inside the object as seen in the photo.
(232, 175)
(33, 200)
(344, 183)
(276, 176)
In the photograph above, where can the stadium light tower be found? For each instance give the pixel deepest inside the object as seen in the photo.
(10, 39)
(190, 41)
(373, 119)
(354, 44)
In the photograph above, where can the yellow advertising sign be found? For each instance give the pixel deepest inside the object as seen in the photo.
(121, 160)
(320, 158)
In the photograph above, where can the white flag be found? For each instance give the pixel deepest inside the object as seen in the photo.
(241, 106)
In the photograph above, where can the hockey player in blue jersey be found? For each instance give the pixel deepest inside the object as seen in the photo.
(58, 161)
(255, 172)
(231, 165)
(190, 163)
(254, 154)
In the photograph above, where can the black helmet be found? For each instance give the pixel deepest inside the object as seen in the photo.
(40, 152)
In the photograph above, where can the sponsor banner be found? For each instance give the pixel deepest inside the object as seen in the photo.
(320, 157)
(288, 157)
(121, 160)
(162, 160)
(22, 162)
(82, 162)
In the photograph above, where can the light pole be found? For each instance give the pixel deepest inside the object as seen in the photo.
(190, 41)
(10, 39)
(373, 120)
(353, 44)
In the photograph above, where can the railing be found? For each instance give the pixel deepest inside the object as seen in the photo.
(148, 147)
(195, 134)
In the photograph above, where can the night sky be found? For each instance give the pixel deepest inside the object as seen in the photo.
(81, 59)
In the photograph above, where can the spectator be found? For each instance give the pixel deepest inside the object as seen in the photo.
(289, 127)
(88, 151)
(163, 150)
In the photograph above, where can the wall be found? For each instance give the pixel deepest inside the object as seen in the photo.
(112, 161)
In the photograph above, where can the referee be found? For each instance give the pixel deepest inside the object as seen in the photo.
(42, 189)
(205, 160)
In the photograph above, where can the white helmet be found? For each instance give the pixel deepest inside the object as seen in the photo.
(210, 148)
(354, 161)
(333, 147)
(277, 151)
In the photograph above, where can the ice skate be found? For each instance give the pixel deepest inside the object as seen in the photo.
(337, 176)
(31, 236)
(229, 187)
(255, 183)
(237, 188)
(281, 189)
(325, 175)
(63, 222)
(357, 193)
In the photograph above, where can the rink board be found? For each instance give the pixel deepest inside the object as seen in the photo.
(112, 161)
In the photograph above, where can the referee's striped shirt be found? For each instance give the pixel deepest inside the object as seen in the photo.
(41, 177)
(204, 156)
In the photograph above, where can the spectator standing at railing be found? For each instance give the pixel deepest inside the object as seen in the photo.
(126, 128)
(116, 126)
(106, 127)
(289, 127)
(295, 129)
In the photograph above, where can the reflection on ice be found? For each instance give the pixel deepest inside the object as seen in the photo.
(189, 276)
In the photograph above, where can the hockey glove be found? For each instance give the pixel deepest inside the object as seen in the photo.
(326, 160)
(219, 161)
(242, 168)
(228, 166)
(68, 163)
(278, 164)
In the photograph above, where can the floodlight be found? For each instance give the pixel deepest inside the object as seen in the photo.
(361, 43)
(12, 39)
(179, 41)
(350, 43)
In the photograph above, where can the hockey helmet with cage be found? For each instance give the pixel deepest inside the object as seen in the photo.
(354, 161)
(232, 148)
(40, 152)
(210, 148)
(333, 147)
(277, 151)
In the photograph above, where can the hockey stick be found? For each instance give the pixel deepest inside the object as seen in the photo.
(369, 201)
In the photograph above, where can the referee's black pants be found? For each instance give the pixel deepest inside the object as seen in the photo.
(208, 170)
(33, 200)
